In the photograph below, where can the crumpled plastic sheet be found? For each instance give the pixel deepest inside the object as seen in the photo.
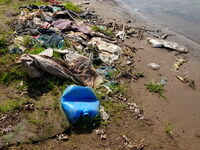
(62, 24)
(160, 43)
(108, 52)
(76, 67)
(66, 25)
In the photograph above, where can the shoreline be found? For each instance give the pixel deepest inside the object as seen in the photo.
(193, 46)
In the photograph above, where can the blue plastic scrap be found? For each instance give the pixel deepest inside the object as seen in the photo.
(79, 102)
(106, 71)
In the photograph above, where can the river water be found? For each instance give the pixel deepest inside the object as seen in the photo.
(182, 16)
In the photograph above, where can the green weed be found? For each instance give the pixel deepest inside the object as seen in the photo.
(107, 32)
(156, 88)
(113, 74)
(67, 44)
(71, 6)
(57, 55)
(5, 2)
(36, 50)
(10, 105)
(35, 122)
(3, 45)
(5, 78)
(169, 129)
(115, 87)
(140, 74)
(12, 73)
(36, 2)
(100, 93)
(113, 107)
(27, 41)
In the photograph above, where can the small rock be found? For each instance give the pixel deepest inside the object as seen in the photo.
(154, 66)
(163, 81)
(129, 62)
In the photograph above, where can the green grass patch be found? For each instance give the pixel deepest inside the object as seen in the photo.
(118, 88)
(140, 74)
(169, 129)
(35, 121)
(35, 2)
(113, 107)
(57, 55)
(27, 42)
(107, 32)
(36, 50)
(156, 88)
(71, 6)
(67, 44)
(3, 45)
(5, 2)
(11, 105)
(10, 73)
(100, 93)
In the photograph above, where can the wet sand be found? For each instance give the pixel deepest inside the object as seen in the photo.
(193, 46)
(181, 16)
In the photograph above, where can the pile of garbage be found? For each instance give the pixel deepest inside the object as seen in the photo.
(43, 31)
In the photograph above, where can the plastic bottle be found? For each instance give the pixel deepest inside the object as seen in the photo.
(79, 103)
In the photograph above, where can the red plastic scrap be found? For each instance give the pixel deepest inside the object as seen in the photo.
(52, 1)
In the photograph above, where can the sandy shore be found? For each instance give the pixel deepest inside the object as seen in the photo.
(182, 106)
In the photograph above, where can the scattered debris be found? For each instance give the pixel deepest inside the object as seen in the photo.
(137, 113)
(7, 122)
(29, 105)
(154, 66)
(160, 43)
(138, 146)
(121, 34)
(62, 137)
(108, 52)
(155, 33)
(179, 62)
(129, 62)
(163, 81)
(121, 97)
(107, 71)
(103, 114)
(189, 82)
(102, 134)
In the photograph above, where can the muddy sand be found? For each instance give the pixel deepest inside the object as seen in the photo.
(180, 110)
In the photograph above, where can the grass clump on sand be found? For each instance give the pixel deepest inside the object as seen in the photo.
(4, 2)
(105, 31)
(10, 71)
(156, 88)
(11, 105)
(3, 45)
(169, 129)
(72, 7)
